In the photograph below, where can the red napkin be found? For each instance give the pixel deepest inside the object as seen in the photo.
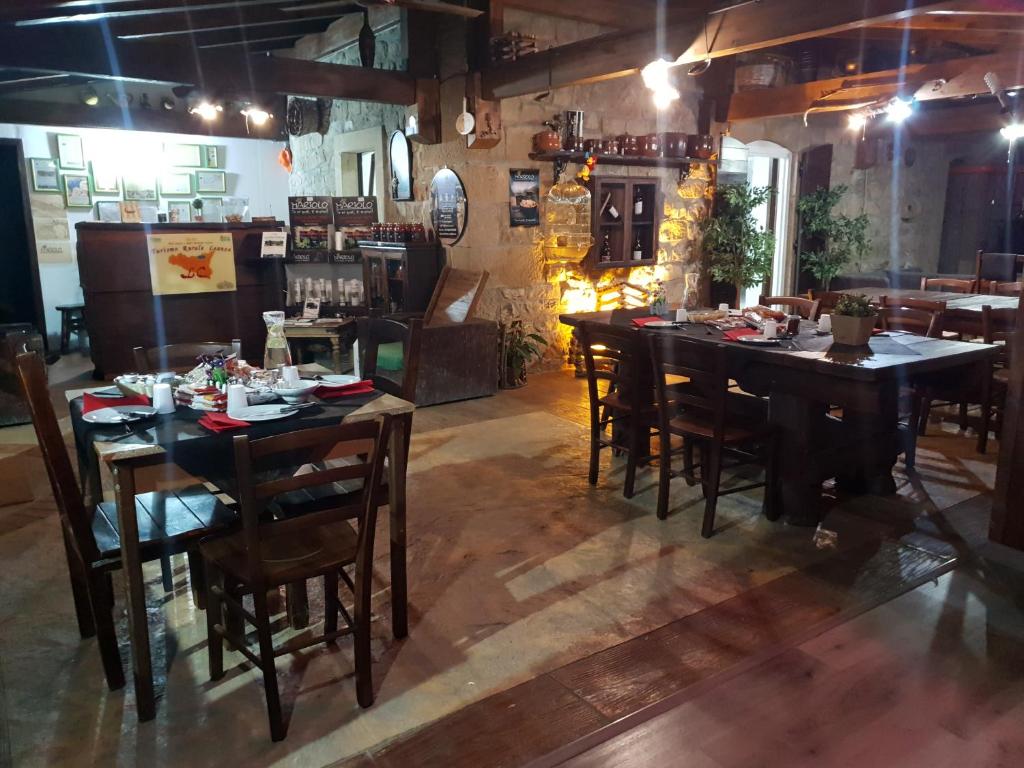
(737, 333)
(642, 321)
(363, 387)
(93, 403)
(221, 422)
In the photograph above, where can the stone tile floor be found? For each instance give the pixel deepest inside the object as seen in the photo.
(517, 567)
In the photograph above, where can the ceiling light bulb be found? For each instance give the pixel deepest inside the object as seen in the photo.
(857, 121)
(206, 110)
(664, 96)
(1013, 131)
(256, 116)
(655, 74)
(899, 110)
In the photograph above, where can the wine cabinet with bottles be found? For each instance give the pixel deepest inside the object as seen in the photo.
(625, 219)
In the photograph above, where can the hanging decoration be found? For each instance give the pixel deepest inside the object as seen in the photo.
(284, 158)
(566, 235)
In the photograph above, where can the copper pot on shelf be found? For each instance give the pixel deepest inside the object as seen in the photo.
(611, 147)
(547, 141)
(650, 145)
(573, 144)
(673, 144)
(701, 146)
(629, 145)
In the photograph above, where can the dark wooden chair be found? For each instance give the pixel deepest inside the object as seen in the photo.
(375, 331)
(808, 309)
(948, 285)
(72, 320)
(704, 412)
(268, 553)
(995, 267)
(627, 406)
(169, 523)
(998, 327)
(1006, 289)
(176, 357)
(827, 300)
(918, 316)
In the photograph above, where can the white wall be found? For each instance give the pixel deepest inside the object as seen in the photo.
(251, 167)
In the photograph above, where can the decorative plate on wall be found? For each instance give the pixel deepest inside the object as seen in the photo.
(449, 207)
(401, 166)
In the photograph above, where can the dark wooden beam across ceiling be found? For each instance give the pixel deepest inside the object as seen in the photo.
(85, 52)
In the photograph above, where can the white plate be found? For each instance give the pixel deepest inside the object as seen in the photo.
(262, 412)
(661, 324)
(119, 414)
(759, 341)
(339, 380)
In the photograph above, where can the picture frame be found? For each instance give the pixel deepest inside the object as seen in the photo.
(175, 183)
(45, 176)
(76, 190)
(211, 153)
(183, 155)
(213, 210)
(211, 181)
(179, 211)
(69, 151)
(104, 179)
(140, 188)
(109, 211)
(130, 212)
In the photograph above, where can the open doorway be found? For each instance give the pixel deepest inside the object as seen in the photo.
(764, 164)
(21, 299)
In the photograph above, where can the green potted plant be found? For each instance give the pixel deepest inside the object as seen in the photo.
(518, 348)
(198, 205)
(738, 249)
(853, 319)
(837, 238)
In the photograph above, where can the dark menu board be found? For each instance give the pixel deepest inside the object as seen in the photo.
(354, 211)
(524, 197)
(449, 208)
(311, 220)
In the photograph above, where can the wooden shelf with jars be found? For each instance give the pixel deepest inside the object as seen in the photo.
(625, 218)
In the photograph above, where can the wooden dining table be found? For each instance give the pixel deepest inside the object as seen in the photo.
(807, 378)
(125, 456)
(963, 310)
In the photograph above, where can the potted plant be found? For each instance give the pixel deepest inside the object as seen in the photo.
(837, 237)
(198, 205)
(518, 348)
(853, 319)
(739, 250)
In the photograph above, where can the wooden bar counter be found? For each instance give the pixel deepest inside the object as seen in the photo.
(121, 311)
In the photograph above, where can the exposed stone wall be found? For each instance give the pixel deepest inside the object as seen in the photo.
(521, 285)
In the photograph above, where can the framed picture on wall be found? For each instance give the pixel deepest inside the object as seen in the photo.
(108, 210)
(104, 179)
(140, 188)
(44, 174)
(213, 210)
(176, 184)
(76, 190)
(179, 211)
(211, 181)
(184, 155)
(212, 156)
(69, 151)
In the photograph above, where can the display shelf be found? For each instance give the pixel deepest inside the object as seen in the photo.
(562, 158)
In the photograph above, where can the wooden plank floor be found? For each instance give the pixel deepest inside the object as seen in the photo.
(557, 715)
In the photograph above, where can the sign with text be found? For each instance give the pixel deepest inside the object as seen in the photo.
(201, 262)
(449, 208)
(524, 197)
(355, 211)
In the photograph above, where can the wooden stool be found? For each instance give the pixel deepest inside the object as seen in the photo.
(72, 320)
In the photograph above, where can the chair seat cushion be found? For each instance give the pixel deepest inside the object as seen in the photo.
(696, 425)
(169, 521)
(616, 401)
(390, 356)
(287, 557)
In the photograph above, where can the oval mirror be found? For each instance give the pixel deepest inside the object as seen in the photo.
(449, 208)
(401, 166)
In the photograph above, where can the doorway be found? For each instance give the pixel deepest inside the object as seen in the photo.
(21, 299)
(764, 164)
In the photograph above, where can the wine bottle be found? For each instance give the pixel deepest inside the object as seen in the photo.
(638, 249)
(606, 250)
(638, 202)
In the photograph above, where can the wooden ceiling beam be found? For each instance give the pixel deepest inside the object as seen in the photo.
(606, 13)
(238, 35)
(85, 52)
(32, 13)
(212, 21)
(747, 28)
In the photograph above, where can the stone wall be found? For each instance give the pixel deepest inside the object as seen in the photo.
(521, 285)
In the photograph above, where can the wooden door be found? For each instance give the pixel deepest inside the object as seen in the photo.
(814, 172)
(21, 298)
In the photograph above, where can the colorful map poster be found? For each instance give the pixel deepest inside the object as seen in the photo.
(202, 262)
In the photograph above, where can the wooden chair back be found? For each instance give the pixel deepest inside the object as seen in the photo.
(807, 308)
(827, 300)
(74, 517)
(921, 322)
(617, 355)
(361, 447)
(995, 267)
(705, 369)
(998, 327)
(455, 297)
(374, 331)
(1006, 289)
(176, 357)
(948, 284)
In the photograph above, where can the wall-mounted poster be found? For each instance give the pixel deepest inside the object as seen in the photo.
(524, 197)
(109, 211)
(140, 188)
(183, 155)
(44, 175)
(201, 262)
(54, 252)
(76, 190)
(131, 213)
(104, 179)
(176, 183)
(211, 181)
(449, 208)
(69, 151)
(212, 156)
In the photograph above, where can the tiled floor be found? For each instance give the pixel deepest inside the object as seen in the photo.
(517, 568)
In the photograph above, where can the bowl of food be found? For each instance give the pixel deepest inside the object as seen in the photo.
(295, 394)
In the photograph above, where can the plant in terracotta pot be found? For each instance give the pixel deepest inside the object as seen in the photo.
(738, 249)
(853, 319)
(518, 348)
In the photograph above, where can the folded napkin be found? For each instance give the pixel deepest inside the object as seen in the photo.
(92, 403)
(363, 387)
(642, 321)
(737, 333)
(221, 422)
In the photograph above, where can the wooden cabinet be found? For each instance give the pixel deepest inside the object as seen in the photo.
(625, 218)
(400, 277)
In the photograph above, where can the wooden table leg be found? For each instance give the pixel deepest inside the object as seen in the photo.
(398, 455)
(336, 353)
(799, 424)
(135, 587)
(875, 436)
